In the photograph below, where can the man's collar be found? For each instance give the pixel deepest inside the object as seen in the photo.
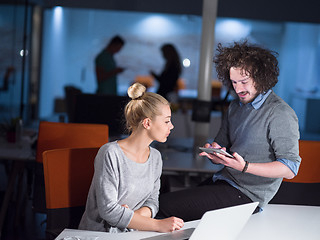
(259, 100)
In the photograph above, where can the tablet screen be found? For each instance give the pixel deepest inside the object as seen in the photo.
(217, 150)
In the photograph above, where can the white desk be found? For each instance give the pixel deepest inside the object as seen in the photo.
(91, 235)
(275, 222)
(283, 222)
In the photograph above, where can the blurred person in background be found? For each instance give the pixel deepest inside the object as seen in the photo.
(106, 67)
(170, 74)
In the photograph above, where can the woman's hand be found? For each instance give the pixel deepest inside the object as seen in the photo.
(169, 224)
(144, 223)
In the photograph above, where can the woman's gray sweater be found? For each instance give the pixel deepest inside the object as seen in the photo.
(117, 181)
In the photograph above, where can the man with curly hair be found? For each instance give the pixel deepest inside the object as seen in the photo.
(259, 129)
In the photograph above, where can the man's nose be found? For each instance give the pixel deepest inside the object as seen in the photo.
(238, 88)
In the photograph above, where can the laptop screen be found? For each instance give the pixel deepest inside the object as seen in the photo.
(225, 223)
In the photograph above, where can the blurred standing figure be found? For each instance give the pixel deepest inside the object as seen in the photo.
(106, 67)
(168, 78)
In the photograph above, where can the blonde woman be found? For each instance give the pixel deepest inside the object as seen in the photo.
(125, 187)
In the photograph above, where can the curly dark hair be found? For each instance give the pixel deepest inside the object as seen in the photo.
(261, 64)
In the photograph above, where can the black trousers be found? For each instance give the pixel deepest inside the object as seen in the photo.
(190, 204)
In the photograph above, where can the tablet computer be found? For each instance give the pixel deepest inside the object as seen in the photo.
(217, 150)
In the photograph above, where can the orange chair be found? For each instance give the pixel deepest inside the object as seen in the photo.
(68, 173)
(304, 189)
(309, 171)
(55, 135)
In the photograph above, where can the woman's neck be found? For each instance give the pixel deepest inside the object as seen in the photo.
(136, 147)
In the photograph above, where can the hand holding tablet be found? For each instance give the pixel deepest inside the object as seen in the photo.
(217, 150)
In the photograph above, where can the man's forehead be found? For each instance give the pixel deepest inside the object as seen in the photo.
(239, 72)
(242, 71)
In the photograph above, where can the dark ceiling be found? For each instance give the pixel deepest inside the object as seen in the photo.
(272, 10)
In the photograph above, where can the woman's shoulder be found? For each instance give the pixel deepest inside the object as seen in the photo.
(155, 152)
(108, 154)
(109, 148)
(155, 155)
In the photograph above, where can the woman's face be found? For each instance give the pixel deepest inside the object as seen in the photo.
(161, 125)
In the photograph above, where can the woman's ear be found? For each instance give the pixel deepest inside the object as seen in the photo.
(146, 123)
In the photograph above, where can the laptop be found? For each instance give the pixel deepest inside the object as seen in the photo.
(221, 224)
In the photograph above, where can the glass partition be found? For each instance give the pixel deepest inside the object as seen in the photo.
(14, 61)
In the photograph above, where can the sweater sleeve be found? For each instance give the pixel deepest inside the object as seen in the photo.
(106, 180)
(284, 133)
(152, 202)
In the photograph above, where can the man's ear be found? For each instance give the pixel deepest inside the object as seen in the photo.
(146, 123)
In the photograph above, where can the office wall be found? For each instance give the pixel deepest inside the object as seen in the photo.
(73, 37)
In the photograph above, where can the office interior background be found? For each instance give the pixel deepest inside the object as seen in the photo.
(51, 44)
(71, 37)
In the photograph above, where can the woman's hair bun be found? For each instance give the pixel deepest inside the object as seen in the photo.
(136, 91)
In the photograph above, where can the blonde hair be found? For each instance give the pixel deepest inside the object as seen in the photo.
(143, 105)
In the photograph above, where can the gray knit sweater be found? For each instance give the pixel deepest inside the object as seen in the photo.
(118, 180)
(260, 135)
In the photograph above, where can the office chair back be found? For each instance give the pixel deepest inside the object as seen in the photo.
(309, 171)
(68, 173)
(304, 189)
(56, 135)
